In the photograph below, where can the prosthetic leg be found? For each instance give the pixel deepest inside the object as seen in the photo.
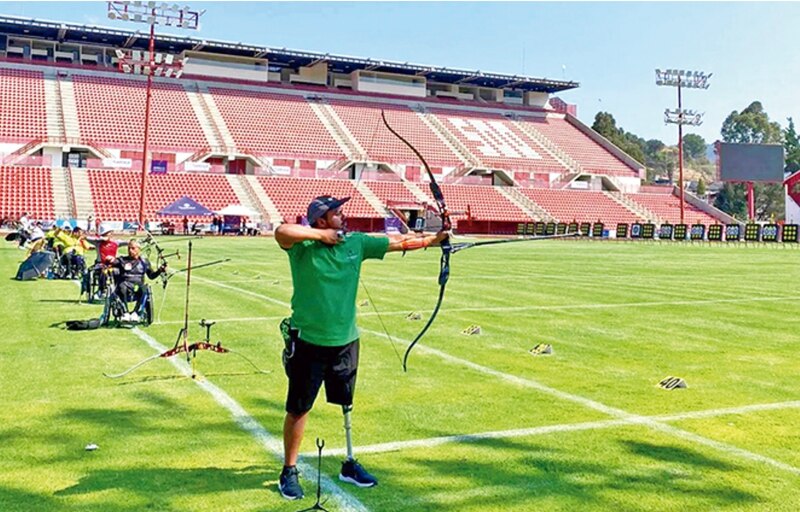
(352, 472)
(348, 426)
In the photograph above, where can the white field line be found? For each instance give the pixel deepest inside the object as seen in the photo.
(614, 412)
(567, 427)
(526, 308)
(586, 402)
(242, 291)
(595, 278)
(578, 279)
(600, 306)
(250, 425)
(246, 280)
(491, 308)
(225, 320)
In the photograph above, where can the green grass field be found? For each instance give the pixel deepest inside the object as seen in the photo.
(477, 424)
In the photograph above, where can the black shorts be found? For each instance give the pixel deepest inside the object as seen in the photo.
(311, 365)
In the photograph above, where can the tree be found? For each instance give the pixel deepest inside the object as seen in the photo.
(732, 200)
(752, 126)
(770, 200)
(791, 145)
(652, 147)
(701, 187)
(669, 159)
(694, 146)
(606, 125)
(633, 149)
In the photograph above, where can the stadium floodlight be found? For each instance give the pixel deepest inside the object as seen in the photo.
(687, 117)
(151, 63)
(687, 79)
(681, 78)
(154, 14)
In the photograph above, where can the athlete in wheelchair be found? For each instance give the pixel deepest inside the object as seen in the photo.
(129, 287)
(70, 248)
(96, 279)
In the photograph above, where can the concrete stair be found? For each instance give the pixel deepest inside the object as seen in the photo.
(201, 112)
(372, 199)
(418, 193)
(336, 127)
(573, 167)
(244, 194)
(564, 180)
(265, 204)
(52, 100)
(635, 207)
(69, 107)
(82, 192)
(532, 209)
(62, 193)
(462, 151)
(212, 114)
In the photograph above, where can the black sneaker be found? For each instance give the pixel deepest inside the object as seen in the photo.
(354, 473)
(289, 484)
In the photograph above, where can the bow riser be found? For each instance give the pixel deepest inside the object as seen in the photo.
(444, 262)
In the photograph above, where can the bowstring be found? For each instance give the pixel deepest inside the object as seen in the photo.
(380, 319)
(372, 303)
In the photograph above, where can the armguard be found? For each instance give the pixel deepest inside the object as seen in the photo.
(414, 243)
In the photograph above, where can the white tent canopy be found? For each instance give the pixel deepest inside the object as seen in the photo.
(237, 210)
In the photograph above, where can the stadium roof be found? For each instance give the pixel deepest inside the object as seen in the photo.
(118, 38)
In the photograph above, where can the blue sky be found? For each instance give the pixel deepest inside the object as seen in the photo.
(612, 49)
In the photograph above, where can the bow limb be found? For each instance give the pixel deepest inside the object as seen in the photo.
(177, 349)
(129, 370)
(444, 274)
(444, 263)
(190, 351)
(434, 186)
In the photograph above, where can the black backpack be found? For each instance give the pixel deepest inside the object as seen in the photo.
(83, 325)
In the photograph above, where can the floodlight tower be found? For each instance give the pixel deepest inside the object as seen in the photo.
(151, 13)
(692, 80)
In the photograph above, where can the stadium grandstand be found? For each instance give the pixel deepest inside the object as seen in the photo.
(260, 127)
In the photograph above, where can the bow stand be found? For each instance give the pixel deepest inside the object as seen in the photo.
(182, 345)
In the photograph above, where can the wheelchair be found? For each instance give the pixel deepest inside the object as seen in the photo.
(67, 265)
(75, 265)
(58, 270)
(117, 310)
(95, 283)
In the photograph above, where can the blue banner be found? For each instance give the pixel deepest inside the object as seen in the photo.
(158, 167)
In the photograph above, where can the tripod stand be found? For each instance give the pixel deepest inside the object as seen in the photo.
(182, 345)
(318, 505)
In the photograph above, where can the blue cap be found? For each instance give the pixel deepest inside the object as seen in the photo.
(321, 205)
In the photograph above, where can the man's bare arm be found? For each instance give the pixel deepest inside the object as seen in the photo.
(289, 234)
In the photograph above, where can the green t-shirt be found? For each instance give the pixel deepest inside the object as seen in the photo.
(325, 280)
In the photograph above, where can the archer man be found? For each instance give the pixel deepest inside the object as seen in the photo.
(321, 335)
